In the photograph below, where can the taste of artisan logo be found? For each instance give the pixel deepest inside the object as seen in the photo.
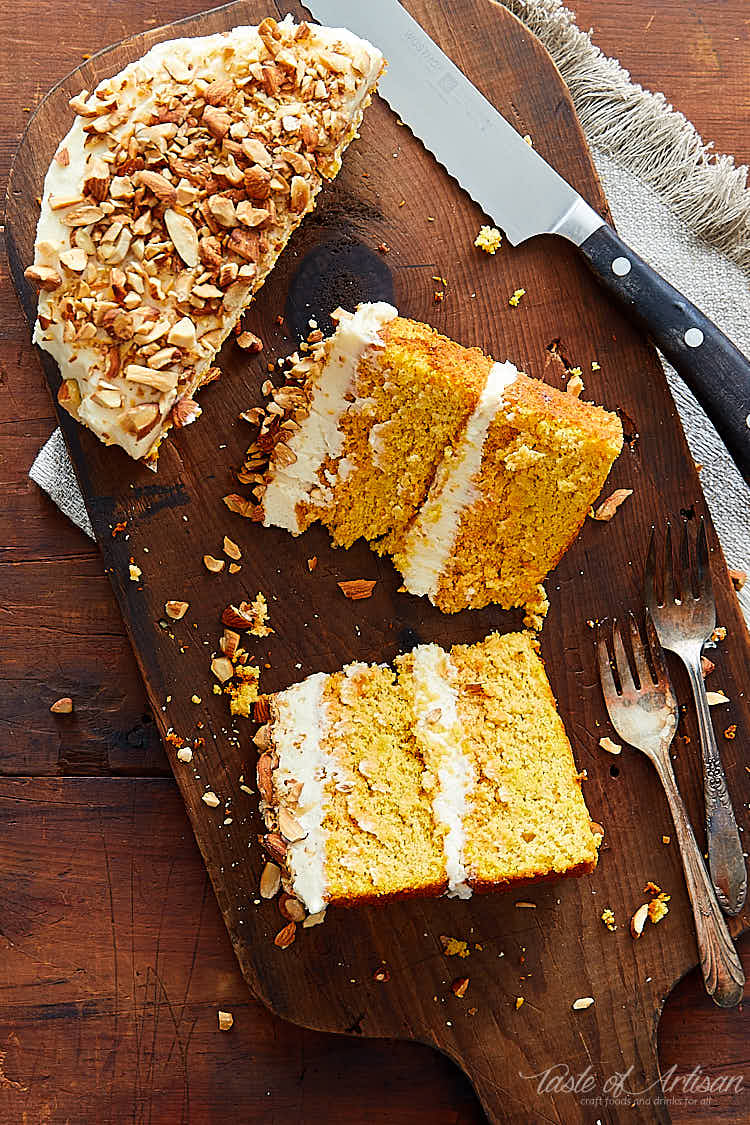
(620, 1088)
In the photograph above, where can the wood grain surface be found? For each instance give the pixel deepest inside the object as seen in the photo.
(113, 717)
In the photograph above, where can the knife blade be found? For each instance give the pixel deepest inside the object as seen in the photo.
(525, 196)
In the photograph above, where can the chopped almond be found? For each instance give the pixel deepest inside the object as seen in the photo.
(459, 986)
(610, 746)
(226, 1019)
(62, 706)
(176, 610)
(357, 588)
(607, 509)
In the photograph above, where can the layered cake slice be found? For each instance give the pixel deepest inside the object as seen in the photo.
(385, 398)
(472, 476)
(450, 774)
(168, 202)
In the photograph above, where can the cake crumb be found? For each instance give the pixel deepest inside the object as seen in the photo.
(226, 1019)
(185, 754)
(575, 384)
(719, 634)
(195, 699)
(731, 732)
(488, 239)
(608, 918)
(657, 909)
(135, 572)
(381, 975)
(454, 947)
(312, 563)
(515, 299)
(519, 1002)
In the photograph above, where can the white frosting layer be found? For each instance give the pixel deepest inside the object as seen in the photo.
(320, 436)
(298, 731)
(437, 729)
(429, 541)
(206, 55)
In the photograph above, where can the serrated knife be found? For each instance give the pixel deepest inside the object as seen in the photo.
(525, 196)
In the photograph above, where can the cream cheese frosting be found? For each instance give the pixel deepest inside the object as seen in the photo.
(429, 541)
(437, 729)
(299, 731)
(106, 395)
(321, 437)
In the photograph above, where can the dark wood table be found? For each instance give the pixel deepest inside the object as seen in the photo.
(114, 956)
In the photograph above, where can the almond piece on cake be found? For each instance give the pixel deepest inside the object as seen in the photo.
(168, 203)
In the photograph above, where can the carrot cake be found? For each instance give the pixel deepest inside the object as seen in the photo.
(474, 477)
(451, 773)
(168, 202)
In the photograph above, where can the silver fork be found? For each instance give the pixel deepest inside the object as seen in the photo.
(646, 717)
(685, 618)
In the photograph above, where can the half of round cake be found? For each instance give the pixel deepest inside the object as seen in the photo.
(169, 201)
(450, 774)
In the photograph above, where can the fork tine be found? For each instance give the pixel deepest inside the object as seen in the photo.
(668, 572)
(621, 659)
(649, 574)
(605, 668)
(686, 576)
(657, 652)
(703, 566)
(639, 653)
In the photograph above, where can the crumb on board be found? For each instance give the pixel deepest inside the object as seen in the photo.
(515, 299)
(454, 947)
(488, 239)
(608, 918)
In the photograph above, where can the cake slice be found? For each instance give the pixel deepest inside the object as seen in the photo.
(474, 477)
(168, 202)
(384, 399)
(451, 774)
(501, 512)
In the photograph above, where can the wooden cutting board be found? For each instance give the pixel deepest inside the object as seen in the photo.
(391, 190)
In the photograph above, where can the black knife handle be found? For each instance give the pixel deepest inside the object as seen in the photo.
(716, 372)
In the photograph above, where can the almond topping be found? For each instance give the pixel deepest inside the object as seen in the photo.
(158, 185)
(270, 880)
(222, 668)
(607, 509)
(231, 549)
(250, 342)
(357, 588)
(638, 921)
(43, 276)
(148, 377)
(289, 827)
(62, 706)
(212, 564)
(211, 799)
(74, 259)
(583, 1003)
(184, 237)
(226, 1019)
(610, 746)
(285, 937)
(290, 907)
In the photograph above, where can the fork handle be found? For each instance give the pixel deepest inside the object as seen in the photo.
(720, 965)
(725, 859)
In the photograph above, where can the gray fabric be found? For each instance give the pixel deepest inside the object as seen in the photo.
(654, 217)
